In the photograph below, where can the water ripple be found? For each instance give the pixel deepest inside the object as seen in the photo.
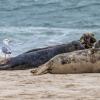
(82, 6)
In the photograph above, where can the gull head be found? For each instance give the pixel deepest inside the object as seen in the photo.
(6, 41)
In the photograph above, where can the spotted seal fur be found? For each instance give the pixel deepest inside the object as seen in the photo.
(82, 61)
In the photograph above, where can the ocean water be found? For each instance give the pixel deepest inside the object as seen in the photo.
(40, 23)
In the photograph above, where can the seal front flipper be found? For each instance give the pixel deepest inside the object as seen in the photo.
(41, 70)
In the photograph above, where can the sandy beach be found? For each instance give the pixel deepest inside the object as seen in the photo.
(22, 85)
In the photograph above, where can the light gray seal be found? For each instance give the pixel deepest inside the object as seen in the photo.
(82, 61)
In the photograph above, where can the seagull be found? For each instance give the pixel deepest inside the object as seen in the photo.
(6, 48)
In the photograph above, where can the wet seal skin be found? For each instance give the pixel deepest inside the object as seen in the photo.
(36, 57)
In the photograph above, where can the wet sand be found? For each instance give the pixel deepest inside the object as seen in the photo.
(22, 85)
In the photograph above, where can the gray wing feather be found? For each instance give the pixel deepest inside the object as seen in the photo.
(6, 50)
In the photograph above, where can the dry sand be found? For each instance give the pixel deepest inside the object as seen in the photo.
(22, 85)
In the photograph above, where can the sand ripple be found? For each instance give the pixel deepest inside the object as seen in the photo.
(22, 85)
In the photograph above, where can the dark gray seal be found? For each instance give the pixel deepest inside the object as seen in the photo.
(36, 57)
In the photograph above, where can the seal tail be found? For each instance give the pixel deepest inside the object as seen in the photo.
(5, 67)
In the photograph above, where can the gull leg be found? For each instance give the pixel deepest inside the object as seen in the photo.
(5, 57)
(9, 57)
